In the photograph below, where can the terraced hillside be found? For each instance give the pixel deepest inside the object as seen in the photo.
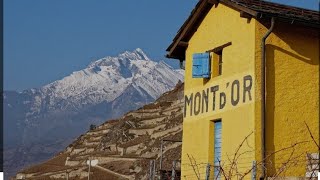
(123, 147)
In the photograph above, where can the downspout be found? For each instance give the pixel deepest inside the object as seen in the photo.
(263, 96)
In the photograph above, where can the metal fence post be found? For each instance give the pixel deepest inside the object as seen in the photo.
(208, 172)
(89, 168)
(154, 170)
(67, 175)
(254, 170)
(150, 169)
(161, 154)
(173, 173)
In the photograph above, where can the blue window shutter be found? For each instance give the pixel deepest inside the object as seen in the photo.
(206, 65)
(196, 66)
(201, 65)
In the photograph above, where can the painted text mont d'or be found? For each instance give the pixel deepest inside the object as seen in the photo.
(218, 96)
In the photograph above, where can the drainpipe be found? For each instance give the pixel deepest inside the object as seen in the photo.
(263, 96)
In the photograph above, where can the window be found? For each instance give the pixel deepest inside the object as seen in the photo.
(219, 62)
(217, 148)
(217, 59)
(201, 62)
(216, 64)
(201, 65)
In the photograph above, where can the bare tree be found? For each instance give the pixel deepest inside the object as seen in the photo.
(194, 166)
(294, 159)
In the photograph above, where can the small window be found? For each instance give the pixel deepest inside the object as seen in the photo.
(216, 64)
(219, 62)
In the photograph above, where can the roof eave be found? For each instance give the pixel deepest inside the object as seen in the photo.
(176, 51)
(187, 29)
(310, 24)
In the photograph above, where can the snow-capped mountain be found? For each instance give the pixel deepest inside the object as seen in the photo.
(105, 80)
(61, 110)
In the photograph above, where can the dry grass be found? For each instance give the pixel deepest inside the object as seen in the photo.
(98, 174)
(135, 141)
(122, 167)
(157, 105)
(85, 146)
(55, 164)
(149, 126)
(169, 156)
(150, 117)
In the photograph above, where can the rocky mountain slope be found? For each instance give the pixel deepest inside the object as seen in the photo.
(123, 147)
(40, 122)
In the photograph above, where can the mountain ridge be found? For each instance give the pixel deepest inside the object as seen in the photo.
(122, 147)
(66, 107)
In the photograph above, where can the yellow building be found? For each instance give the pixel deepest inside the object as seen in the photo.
(251, 90)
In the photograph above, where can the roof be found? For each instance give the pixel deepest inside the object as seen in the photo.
(257, 9)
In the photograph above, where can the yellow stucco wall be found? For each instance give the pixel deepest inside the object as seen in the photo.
(220, 26)
(292, 94)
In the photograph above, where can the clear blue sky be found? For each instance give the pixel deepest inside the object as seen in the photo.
(45, 40)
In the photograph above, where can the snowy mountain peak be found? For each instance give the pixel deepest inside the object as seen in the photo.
(141, 53)
(137, 54)
(122, 59)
